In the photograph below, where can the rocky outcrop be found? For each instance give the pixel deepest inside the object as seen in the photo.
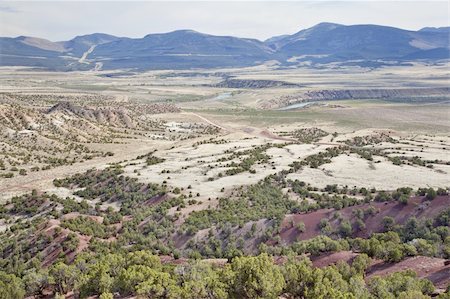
(118, 117)
(104, 116)
(349, 94)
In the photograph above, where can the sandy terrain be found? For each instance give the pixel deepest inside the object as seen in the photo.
(354, 171)
(232, 112)
(43, 180)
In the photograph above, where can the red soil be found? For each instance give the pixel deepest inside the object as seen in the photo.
(156, 200)
(434, 269)
(417, 207)
(328, 259)
(73, 215)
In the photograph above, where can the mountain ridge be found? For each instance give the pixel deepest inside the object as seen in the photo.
(188, 49)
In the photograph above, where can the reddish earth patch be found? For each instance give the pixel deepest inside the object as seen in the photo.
(53, 250)
(73, 215)
(180, 239)
(289, 233)
(434, 269)
(328, 259)
(168, 259)
(417, 207)
(156, 200)
(52, 224)
(56, 236)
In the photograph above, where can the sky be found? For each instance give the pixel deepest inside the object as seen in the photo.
(63, 20)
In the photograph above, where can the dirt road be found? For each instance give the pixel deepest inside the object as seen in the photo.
(256, 132)
(85, 55)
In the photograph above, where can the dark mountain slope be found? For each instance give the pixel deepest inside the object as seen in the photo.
(359, 42)
(27, 46)
(187, 49)
(182, 49)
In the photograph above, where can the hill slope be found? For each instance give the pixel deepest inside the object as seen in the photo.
(367, 42)
(182, 49)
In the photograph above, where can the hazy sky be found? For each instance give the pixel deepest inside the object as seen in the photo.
(62, 20)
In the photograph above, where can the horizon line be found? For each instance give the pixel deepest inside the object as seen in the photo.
(199, 32)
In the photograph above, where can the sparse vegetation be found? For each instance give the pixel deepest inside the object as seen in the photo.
(256, 192)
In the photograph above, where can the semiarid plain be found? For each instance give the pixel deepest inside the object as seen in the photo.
(194, 125)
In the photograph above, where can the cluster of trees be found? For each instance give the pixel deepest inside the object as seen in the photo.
(28, 204)
(217, 245)
(21, 246)
(328, 197)
(151, 227)
(427, 237)
(141, 273)
(359, 141)
(366, 153)
(336, 197)
(306, 135)
(356, 146)
(390, 248)
(90, 177)
(210, 141)
(88, 226)
(25, 244)
(150, 159)
(259, 201)
(415, 160)
(252, 156)
(110, 185)
(314, 161)
(71, 205)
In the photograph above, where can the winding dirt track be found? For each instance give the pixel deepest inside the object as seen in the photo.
(209, 121)
(247, 130)
(85, 55)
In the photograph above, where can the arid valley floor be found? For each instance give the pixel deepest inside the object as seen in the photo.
(192, 124)
(321, 142)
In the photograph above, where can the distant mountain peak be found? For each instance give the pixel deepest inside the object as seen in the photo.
(327, 25)
(94, 38)
(180, 32)
(80, 44)
(94, 35)
(278, 41)
(41, 43)
(187, 31)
